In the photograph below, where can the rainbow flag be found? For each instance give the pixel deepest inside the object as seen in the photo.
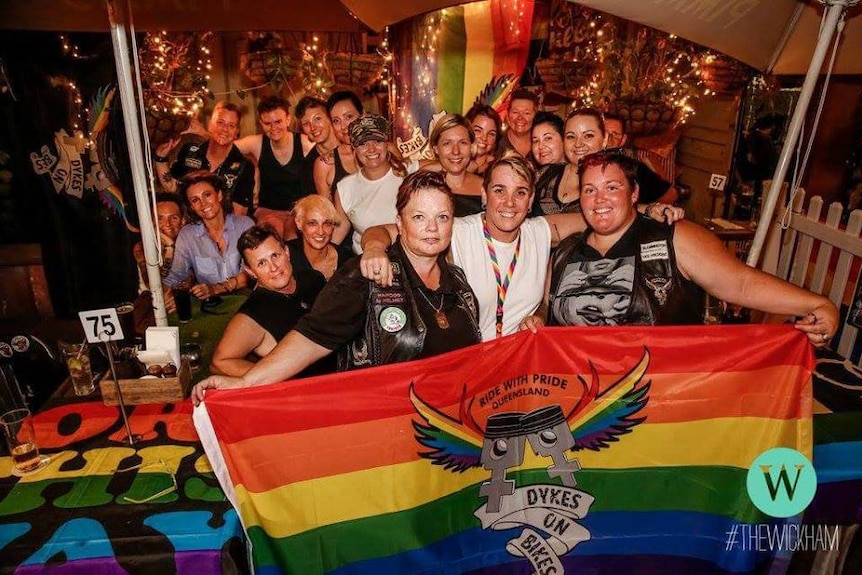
(449, 56)
(574, 450)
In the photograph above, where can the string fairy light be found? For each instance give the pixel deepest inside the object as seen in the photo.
(316, 78)
(426, 58)
(78, 113)
(385, 76)
(635, 61)
(69, 48)
(176, 69)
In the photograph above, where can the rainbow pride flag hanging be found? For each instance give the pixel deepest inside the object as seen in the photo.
(574, 450)
(449, 56)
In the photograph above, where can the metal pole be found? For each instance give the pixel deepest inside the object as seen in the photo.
(834, 12)
(122, 404)
(136, 155)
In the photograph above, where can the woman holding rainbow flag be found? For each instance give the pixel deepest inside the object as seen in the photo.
(427, 310)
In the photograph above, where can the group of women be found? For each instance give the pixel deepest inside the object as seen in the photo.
(451, 258)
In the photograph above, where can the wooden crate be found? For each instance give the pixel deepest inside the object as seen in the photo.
(158, 390)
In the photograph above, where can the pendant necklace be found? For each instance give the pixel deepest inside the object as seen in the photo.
(439, 315)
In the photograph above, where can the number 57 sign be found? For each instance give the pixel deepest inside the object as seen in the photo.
(101, 325)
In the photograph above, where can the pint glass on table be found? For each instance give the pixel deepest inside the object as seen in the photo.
(183, 300)
(20, 438)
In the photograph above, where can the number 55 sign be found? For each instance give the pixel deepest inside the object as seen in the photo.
(101, 325)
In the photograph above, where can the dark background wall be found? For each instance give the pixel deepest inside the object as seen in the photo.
(86, 246)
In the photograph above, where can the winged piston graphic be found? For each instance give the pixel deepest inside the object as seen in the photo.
(496, 91)
(597, 420)
(455, 445)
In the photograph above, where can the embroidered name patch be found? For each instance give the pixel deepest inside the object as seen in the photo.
(654, 251)
(388, 298)
(193, 163)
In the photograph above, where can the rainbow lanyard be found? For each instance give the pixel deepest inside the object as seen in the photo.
(502, 284)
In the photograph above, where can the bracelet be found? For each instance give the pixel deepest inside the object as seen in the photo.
(160, 159)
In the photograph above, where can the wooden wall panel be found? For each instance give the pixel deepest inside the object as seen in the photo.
(706, 148)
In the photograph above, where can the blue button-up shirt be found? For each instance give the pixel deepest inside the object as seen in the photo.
(196, 251)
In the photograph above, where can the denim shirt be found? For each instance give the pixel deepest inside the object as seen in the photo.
(196, 251)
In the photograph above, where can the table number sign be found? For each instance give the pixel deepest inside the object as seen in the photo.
(717, 182)
(101, 325)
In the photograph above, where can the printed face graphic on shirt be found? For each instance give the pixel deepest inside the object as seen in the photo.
(595, 293)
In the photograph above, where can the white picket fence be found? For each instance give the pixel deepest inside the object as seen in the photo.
(834, 252)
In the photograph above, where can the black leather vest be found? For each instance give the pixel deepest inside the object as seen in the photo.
(378, 346)
(660, 295)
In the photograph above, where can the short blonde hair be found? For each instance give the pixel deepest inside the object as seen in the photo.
(448, 122)
(315, 202)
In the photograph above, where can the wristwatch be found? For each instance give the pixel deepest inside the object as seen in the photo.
(160, 159)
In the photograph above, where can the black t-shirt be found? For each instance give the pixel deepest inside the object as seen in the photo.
(306, 172)
(300, 261)
(651, 185)
(466, 205)
(278, 313)
(280, 184)
(339, 315)
(236, 171)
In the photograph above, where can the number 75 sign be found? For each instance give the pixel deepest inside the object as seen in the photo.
(101, 325)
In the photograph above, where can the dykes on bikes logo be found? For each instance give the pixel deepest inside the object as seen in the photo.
(548, 513)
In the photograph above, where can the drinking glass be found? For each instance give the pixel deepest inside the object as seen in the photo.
(21, 439)
(77, 358)
(183, 300)
(713, 311)
(126, 315)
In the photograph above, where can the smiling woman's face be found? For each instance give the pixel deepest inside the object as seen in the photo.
(485, 129)
(583, 136)
(315, 229)
(453, 149)
(205, 201)
(547, 145)
(342, 114)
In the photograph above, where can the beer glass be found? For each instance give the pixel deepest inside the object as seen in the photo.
(126, 315)
(183, 300)
(21, 439)
(713, 311)
(77, 358)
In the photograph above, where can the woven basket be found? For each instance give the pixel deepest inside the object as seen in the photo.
(267, 65)
(354, 71)
(564, 77)
(725, 75)
(162, 126)
(643, 117)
